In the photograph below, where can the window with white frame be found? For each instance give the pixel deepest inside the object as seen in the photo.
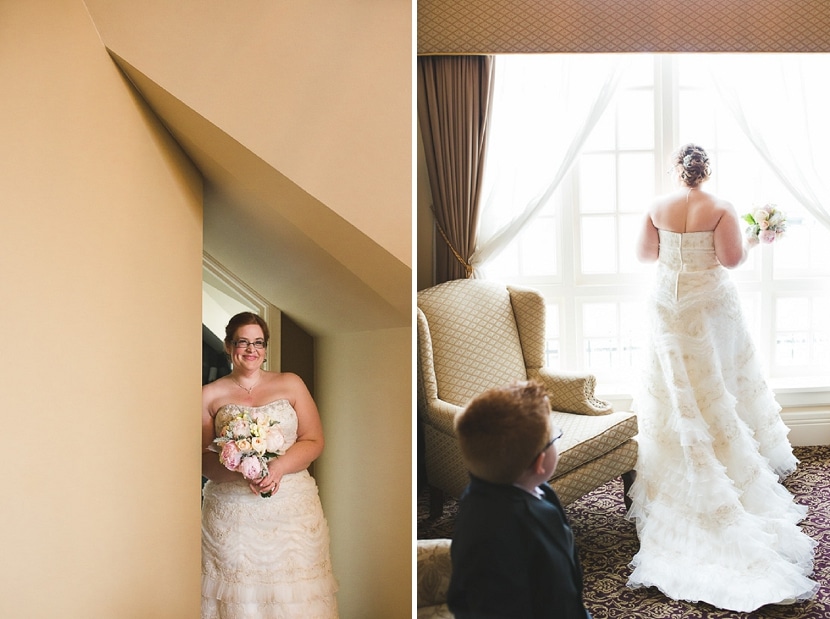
(579, 248)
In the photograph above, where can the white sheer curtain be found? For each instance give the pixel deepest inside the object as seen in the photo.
(782, 102)
(544, 109)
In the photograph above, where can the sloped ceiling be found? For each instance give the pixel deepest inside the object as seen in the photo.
(329, 243)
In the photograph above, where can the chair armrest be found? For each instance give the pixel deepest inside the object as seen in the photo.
(434, 567)
(441, 415)
(571, 392)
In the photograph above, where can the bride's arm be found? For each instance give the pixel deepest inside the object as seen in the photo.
(729, 240)
(648, 242)
(212, 468)
(310, 440)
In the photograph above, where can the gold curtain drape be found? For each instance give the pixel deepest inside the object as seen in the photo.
(454, 96)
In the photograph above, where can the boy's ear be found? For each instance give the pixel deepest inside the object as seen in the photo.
(538, 465)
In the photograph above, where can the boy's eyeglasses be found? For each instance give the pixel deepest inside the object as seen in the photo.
(557, 434)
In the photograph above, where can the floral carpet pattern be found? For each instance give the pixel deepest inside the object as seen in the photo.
(607, 542)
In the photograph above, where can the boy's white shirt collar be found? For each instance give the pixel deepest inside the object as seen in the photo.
(537, 491)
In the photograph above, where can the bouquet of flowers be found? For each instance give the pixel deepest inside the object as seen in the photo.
(766, 224)
(247, 442)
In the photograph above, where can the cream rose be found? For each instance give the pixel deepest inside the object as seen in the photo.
(240, 427)
(258, 444)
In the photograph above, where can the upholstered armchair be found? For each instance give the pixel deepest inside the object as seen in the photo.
(434, 567)
(477, 334)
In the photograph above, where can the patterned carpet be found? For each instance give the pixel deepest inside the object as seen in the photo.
(607, 541)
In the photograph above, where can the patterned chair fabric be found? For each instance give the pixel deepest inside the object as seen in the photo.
(474, 335)
(434, 568)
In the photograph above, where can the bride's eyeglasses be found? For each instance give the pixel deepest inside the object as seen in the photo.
(243, 343)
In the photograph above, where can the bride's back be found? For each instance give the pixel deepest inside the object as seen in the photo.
(687, 210)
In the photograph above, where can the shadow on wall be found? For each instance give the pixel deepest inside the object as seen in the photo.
(215, 362)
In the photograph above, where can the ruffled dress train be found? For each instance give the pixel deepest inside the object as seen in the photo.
(714, 523)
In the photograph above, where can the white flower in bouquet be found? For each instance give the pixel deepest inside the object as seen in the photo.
(766, 224)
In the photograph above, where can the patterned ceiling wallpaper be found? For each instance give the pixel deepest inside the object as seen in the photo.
(540, 26)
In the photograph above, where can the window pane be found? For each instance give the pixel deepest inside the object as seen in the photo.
(805, 246)
(639, 72)
(821, 333)
(597, 191)
(599, 245)
(636, 182)
(600, 335)
(505, 265)
(636, 127)
(697, 118)
(600, 353)
(791, 251)
(599, 319)
(538, 247)
(792, 313)
(553, 355)
(603, 135)
(792, 328)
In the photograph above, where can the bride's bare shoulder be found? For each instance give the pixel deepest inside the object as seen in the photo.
(287, 382)
(216, 393)
(723, 207)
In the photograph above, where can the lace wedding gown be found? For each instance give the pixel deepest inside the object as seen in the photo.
(266, 558)
(714, 523)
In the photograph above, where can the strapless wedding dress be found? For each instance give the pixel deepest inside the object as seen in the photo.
(266, 558)
(714, 523)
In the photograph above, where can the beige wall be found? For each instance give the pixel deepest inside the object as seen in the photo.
(100, 264)
(299, 117)
(365, 477)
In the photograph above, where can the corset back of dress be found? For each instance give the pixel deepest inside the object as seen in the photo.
(686, 263)
(688, 251)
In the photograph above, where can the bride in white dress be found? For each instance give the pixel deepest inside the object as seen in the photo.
(714, 523)
(265, 543)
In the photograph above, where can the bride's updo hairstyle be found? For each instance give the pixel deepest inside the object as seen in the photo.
(692, 165)
(242, 319)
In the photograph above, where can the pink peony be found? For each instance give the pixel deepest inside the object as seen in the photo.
(251, 468)
(230, 456)
(275, 439)
(766, 236)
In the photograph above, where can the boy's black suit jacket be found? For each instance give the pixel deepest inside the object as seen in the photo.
(513, 556)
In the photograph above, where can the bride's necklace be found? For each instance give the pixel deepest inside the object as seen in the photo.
(248, 389)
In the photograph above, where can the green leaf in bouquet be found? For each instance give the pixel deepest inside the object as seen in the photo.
(748, 218)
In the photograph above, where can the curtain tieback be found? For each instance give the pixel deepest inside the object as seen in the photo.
(467, 266)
